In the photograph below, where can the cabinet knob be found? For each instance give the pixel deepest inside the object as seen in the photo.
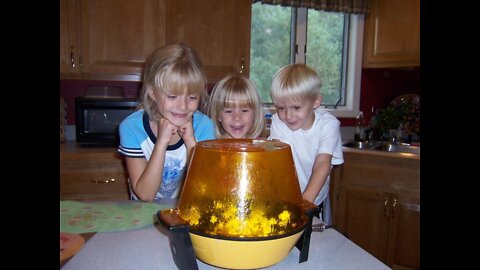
(242, 65)
(72, 57)
(385, 207)
(394, 204)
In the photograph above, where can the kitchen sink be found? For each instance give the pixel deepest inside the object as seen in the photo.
(361, 145)
(385, 146)
(398, 147)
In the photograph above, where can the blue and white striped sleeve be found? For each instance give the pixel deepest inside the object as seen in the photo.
(131, 152)
(130, 139)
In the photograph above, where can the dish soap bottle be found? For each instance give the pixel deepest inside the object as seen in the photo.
(359, 128)
(370, 135)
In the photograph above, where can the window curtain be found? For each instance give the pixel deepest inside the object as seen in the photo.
(346, 6)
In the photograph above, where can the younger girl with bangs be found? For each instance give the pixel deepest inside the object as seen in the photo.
(158, 138)
(235, 108)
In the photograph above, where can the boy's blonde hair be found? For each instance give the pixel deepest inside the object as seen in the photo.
(295, 81)
(175, 70)
(233, 90)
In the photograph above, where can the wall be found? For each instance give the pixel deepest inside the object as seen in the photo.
(378, 88)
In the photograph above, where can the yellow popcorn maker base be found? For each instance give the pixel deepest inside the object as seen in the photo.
(234, 253)
(237, 254)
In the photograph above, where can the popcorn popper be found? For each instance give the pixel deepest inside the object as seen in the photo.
(240, 207)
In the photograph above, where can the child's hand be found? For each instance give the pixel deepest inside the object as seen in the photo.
(186, 132)
(165, 130)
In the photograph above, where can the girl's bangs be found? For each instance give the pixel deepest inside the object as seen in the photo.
(183, 82)
(238, 99)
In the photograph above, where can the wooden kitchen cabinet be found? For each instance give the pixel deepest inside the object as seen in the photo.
(88, 174)
(377, 205)
(392, 34)
(218, 30)
(109, 39)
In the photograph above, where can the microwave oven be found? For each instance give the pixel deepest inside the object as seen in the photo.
(97, 119)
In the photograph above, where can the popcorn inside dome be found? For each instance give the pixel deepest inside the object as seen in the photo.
(226, 218)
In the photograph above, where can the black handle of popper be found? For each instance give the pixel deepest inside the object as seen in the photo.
(303, 244)
(179, 238)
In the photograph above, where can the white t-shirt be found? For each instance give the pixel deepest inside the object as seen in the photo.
(323, 137)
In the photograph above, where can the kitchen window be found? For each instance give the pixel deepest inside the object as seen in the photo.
(329, 42)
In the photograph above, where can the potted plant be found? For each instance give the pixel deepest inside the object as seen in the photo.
(398, 120)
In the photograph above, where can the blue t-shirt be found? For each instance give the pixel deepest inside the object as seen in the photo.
(137, 141)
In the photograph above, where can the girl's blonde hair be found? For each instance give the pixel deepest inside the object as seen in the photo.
(295, 81)
(235, 90)
(175, 70)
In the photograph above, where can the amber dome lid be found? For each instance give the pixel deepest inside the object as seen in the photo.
(242, 188)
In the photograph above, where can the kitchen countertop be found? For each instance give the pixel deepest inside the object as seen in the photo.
(381, 153)
(148, 248)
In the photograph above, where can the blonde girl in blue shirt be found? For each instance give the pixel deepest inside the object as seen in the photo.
(157, 140)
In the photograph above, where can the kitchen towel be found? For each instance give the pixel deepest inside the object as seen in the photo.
(80, 217)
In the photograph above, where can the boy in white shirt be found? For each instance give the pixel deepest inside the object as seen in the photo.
(312, 133)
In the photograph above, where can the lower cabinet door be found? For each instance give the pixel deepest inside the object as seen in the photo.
(404, 233)
(102, 178)
(364, 219)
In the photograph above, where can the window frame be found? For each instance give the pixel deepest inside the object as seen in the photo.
(353, 61)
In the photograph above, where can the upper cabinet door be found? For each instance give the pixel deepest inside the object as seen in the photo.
(69, 34)
(119, 35)
(392, 34)
(218, 30)
(115, 37)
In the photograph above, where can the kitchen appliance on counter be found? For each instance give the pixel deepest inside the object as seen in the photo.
(97, 119)
(240, 207)
(98, 114)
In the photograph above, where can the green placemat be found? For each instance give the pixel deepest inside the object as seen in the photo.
(80, 217)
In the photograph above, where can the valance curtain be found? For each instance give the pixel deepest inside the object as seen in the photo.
(346, 6)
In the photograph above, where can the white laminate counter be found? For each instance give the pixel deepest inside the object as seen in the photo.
(148, 248)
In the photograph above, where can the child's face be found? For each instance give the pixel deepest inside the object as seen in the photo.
(178, 109)
(237, 120)
(298, 113)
